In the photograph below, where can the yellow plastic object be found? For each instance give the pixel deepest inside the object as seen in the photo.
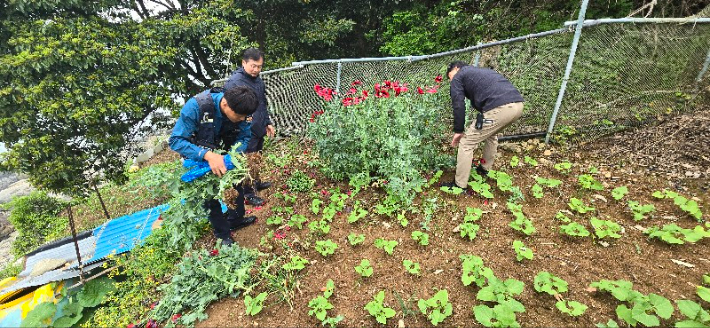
(17, 309)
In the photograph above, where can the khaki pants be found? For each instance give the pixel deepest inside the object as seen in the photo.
(496, 120)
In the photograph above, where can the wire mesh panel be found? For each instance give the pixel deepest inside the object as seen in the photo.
(628, 74)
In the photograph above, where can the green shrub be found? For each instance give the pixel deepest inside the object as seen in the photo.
(35, 218)
(300, 182)
(391, 137)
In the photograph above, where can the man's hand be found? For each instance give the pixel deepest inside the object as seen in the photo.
(270, 131)
(456, 139)
(216, 162)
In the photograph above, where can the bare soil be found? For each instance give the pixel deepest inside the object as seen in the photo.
(645, 160)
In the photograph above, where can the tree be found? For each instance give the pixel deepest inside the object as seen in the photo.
(81, 78)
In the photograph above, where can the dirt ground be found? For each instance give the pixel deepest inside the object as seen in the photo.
(671, 155)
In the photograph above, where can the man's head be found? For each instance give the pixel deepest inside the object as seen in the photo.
(252, 61)
(454, 67)
(238, 103)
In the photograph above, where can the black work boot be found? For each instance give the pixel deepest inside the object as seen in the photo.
(261, 185)
(241, 223)
(254, 200)
(481, 171)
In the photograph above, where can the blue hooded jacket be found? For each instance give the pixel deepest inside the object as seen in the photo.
(261, 117)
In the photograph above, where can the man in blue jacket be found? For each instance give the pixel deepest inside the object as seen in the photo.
(202, 128)
(498, 104)
(248, 75)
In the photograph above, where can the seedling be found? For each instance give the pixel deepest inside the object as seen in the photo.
(564, 167)
(481, 188)
(521, 251)
(562, 217)
(530, 161)
(437, 308)
(321, 227)
(605, 228)
(502, 291)
(297, 263)
(500, 315)
(536, 191)
(550, 183)
(639, 210)
(320, 306)
(386, 245)
(421, 237)
(377, 309)
(355, 239)
(472, 214)
(572, 308)
(574, 229)
(315, 205)
(300, 182)
(503, 180)
(297, 221)
(688, 205)
(619, 192)
(275, 220)
(521, 223)
(473, 270)
(645, 308)
(588, 182)
(364, 269)
(695, 314)
(326, 247)
(673, 234)
(452, 190)
(402, 219)
(254, 305)
(468, 230)
(514, 161)
(357, 213)
(412, 267)
(435, 178)
(546, 282)
(579, 206)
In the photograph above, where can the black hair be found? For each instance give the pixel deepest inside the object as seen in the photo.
(455, 64)
(242, 100)
(253, 54)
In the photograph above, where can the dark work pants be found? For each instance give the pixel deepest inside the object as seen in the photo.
(255, 144)
(220, 222)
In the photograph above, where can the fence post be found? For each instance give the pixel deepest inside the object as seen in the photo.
(702, 72)
(337, 83)
(568, 70)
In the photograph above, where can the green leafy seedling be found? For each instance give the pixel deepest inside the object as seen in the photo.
(572, 308)
(437, 308)
(546, 282)
(421, 237)
(377, 309)
(356, 239)
(619, 192)
(364, 269)
(297, 263)
(412, 267)
(386, 245)
(326, 247)
(521, 251)
(574, 229)
(605, 228)
(254, 305)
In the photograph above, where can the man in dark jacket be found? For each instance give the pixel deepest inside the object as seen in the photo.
(201, 128)
(248, 75)
(498, 104)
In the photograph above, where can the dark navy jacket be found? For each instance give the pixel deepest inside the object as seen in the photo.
(261, 118)
(485, 88)
(189, 122)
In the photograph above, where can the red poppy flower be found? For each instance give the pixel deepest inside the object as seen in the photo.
(131, 325)
(356, 82)
(176, 317)
(151, 324)
(438, 79)
(420, 90)
(365, 93)
(214, 252)
(152, 306)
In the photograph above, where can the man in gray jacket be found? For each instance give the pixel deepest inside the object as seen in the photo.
(498, 104)
(261, 125)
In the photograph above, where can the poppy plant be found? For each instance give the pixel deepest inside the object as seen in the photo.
(214, 252)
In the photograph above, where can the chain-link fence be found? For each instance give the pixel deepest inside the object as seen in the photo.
(626, 72)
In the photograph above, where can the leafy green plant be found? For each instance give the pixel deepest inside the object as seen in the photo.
(546, 282)
(639, 210)
(421, 237)
(254, 305)
(412, 267)
(326, 247)
(300, 182)
(297, 221)
(688, 205)
(521, 223)
(35, 218)
(297, 263)
(571, 308)
(562, 217)
(437, 308)
(579, 206)
(355, 239)
(574, 229)
(673, 234)
(377, 309)
(605, 228)
(695, 315)
(564, 167)
(645, 309)
(201, 278)
(482, 188)
(503, 293)
(275, 220)
(315, 205)
(357, 213)
(503, 180)
(468, 230)
(321, 227)
(536, 191)
(364, 269)
(452, 190)
(514, 161)
(386, 245)
(587, 181)
(550, 183)
(521, 251)
(320, 305)
(474, 271)
(403, 220)
(530, 161)
(500, 315)
(619, 192)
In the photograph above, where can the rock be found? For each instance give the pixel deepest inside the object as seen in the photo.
(19, 188)
(600, 197)
(510, 147)
(547, 152)
(607, 175)
(400, 323)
